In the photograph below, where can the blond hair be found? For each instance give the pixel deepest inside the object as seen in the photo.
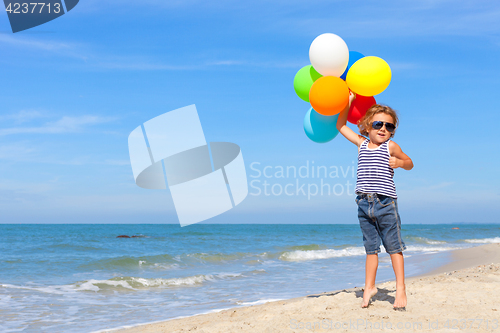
(365, 123)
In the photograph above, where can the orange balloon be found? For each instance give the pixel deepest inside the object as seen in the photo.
(329, 95)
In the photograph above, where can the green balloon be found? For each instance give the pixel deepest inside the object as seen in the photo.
(304, 80)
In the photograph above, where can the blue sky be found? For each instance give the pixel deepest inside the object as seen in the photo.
(74, 88)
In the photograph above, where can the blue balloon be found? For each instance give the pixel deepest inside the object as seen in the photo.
(320, 128)
(353, 57)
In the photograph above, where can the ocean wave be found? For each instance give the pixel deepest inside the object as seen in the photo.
(214, 257)
(73, 247)
(258, 271)
(483, 240)
(416, 248)
(171, 262)
(137, 283)
(57, 290)
(305, 247)
(291, 253)
(126, 283)
(424, 240)
(164, 261)
(301, 255)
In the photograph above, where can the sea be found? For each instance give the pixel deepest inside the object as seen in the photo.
(85, 278)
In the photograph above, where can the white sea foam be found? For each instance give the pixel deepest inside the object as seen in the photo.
(5, 299)
(429, 249)
(262, 301)
(435, 242)
(228, 275)
(135, 283)
(165, 266)
(96, 285)
(430, 241)
(130, 283)
(58, 290)
(301, 255)
(483, 240)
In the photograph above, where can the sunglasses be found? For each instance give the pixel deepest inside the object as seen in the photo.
(388, 126)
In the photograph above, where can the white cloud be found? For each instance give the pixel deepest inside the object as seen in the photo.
(23, 116)
(26, 188)
(121, 63)
(64, 125)
(135, 64)
(53, 46)
(17, 152)
(388, 19)
(96, 60)
(264, 64)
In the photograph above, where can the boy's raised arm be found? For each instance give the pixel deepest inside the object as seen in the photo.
(348, 133)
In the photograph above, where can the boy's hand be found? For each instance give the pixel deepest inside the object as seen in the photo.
(352, 97)
(395, 162)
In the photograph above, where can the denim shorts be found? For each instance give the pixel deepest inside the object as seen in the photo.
(379, 220)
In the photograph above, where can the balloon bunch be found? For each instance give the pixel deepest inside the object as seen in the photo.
(335, 70)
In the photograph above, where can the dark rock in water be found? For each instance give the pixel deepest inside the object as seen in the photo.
(140, 236)
(123, 236)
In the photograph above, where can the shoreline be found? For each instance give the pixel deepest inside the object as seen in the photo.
(469, 257)
(324, 312)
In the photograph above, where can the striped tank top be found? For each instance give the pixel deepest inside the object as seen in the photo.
(374, 173)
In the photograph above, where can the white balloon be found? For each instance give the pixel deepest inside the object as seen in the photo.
(329, 55)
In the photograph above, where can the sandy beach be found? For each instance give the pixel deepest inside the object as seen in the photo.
(459, 296)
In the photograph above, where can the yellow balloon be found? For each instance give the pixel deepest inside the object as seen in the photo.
(369, 76)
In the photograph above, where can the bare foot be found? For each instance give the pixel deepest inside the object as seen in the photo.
(367, 295)
(400, 301)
